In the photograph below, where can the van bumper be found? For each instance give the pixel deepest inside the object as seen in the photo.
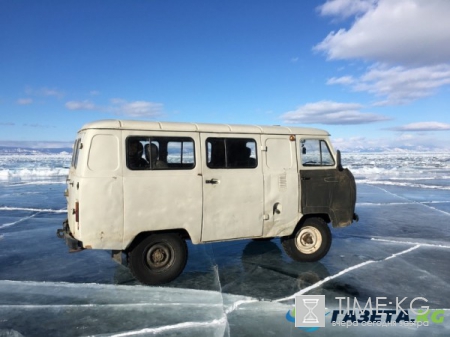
(73, 244)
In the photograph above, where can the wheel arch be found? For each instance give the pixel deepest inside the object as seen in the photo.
(324, 216)
(142, 235)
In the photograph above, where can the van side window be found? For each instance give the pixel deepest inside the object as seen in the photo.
(315, 152)
(231, 153)
(160, 153)
(76, 150)
(181, 152)
(135, 154)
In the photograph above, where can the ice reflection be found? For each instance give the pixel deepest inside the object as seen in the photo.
(262, 271)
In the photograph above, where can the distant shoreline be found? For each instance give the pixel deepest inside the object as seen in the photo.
(8, 150)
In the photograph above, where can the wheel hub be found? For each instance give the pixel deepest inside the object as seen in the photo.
(158, 256)
(308, 240)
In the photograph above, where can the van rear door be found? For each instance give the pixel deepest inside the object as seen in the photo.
(100, 190)
(73, 180)
(232, 187)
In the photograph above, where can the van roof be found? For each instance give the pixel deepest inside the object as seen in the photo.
(201, 127)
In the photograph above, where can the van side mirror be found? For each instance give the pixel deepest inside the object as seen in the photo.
(338, 159)
(303, 150)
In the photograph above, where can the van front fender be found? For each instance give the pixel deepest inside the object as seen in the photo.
(331, 192)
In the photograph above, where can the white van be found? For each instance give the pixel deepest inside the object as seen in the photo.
(143, 188)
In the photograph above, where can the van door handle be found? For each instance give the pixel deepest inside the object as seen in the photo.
(212, 181)
(306, 178)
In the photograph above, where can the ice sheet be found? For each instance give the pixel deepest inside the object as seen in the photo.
(400, 248)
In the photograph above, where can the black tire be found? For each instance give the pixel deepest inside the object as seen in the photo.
(310, 242)
(158, 258)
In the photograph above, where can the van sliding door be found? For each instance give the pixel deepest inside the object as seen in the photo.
(232, 187)
(280, 183)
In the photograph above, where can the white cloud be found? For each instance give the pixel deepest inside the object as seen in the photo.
(118, 101)
(46, 92)
(346, 80)
(120, 106)
(137, 108)
(327, 112)
(407, 41)
(398, 85)
(403, 142)
(51, 92)
(24, 101)
(346, 8)
(81, 105)
(355, 143)
(423, 126)
(37, 125)
(407, 32)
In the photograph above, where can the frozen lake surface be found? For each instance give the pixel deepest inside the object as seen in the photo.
(400, 248)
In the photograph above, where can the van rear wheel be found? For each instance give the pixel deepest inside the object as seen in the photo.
(310, 242)
(158, 258)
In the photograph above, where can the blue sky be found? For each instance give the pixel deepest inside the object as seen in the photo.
(374, 73)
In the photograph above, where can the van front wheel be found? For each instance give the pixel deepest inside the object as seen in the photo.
(158, 258)
(310, 242)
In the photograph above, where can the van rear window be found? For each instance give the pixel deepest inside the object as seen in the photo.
(160, 153)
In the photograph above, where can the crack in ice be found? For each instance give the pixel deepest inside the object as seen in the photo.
(413, 201)
(225, 316)
(342, 272)
(412, 243)
(47, 210)
(394, 183)
(105, 305)
(18, 221)
(165, 328)
(318, 284)
(401, 203)
(237, 304)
